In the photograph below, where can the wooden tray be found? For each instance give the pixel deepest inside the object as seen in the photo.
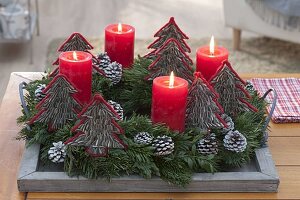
(258, 176)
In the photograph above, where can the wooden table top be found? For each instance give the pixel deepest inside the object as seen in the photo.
(284, 144)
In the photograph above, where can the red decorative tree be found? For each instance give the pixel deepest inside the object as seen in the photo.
(171, 57)
(97, 129)
(75, 42)
(203, 110)
(59, 106)
(169, 30)
(233, 97)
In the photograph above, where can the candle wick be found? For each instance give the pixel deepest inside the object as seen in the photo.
(211, 53)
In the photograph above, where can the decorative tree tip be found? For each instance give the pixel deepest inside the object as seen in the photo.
(197, 75)
(81, 43)
(75, 42)
(172, 20)
(227, 66)
(168, 31)
(98, 97)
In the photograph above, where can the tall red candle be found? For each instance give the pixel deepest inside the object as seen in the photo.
(119, 43)
(169, 102)
(209, 59)
(77, 67)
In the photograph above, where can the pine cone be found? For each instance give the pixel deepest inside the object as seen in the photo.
(117, 107)
(229, 122)
(235, 141)
(114, 72)
(208, 145)
(249, 87)
(103, 60)
(143, 138)
(163, 145)
(57, 153)
(38, 93)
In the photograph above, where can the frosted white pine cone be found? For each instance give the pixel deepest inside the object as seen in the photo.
(57, 153)
(38, 93)
(143, 138)
(235, 141)
(208, 145)
(163, 145)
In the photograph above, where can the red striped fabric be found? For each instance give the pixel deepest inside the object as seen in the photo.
(288, 103)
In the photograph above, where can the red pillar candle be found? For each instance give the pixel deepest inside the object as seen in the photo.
(169, 97)
(119, 43)
(210, 58)
(77, 67)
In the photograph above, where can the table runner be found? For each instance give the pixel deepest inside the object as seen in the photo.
(288, 103)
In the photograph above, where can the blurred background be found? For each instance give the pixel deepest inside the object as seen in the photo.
(262, 37)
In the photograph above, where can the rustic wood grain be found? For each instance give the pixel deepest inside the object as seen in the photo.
(10, 156)
(285, 150)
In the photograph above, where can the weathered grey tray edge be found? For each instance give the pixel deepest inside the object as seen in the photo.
(30, 180)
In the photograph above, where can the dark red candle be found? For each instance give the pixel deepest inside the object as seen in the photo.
(77, 67)
(119, 43)
(209, 59)
(169, 102)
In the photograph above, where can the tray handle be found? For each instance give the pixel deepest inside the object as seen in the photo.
(268, 119)
(22, 86)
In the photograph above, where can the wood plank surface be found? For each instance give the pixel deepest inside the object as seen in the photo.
(10, 149)
(10, 155)
(280, 130)
(285, 150)
(284, 145)
(11, 106)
